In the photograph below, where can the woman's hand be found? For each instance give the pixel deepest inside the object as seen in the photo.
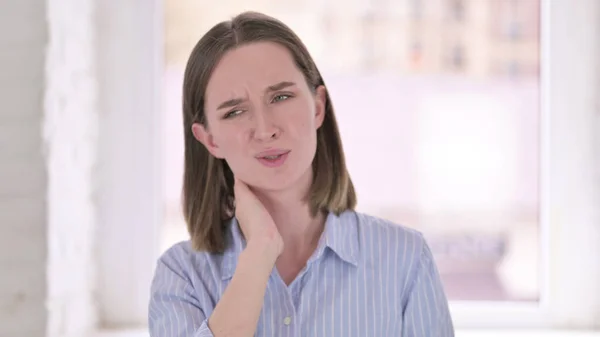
(255, 221)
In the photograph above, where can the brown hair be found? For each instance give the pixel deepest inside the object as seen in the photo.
(207, 198)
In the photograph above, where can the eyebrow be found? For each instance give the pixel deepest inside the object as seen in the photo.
(280, 86)
(275, 87)
(230, 103)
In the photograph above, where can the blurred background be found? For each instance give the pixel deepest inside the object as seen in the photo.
(476, 122)
(438, 105)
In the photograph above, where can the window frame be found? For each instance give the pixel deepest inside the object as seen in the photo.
(131, 56)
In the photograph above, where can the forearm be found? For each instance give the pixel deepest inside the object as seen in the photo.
(238, 311)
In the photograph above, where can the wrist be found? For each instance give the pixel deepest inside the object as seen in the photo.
(263, 250)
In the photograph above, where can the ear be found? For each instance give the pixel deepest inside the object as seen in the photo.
(320, 102)
(202, 134)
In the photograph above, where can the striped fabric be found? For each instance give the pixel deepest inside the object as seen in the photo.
(368, 277)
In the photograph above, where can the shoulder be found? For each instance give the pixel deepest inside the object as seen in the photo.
(203, 266)
(182, 260)
(177, 259)
(391, 246)
(379, 231)
(184, 281)
(394, 250)
(179, 254)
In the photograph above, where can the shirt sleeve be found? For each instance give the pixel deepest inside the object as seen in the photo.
(175, 308)
(426, 313)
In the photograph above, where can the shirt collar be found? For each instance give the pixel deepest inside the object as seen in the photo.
(340, 235)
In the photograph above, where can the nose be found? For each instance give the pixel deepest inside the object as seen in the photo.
(264, 128)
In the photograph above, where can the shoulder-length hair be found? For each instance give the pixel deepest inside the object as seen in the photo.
(208, 200)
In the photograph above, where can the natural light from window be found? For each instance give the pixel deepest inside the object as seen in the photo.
(438, 105)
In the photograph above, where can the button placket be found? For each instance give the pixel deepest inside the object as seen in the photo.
(290, 310)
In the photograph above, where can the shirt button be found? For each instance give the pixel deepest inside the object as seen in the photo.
(287, 320)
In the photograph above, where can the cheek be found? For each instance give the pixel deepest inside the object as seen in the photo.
(302, 121)
(309, 126)
(230, 141)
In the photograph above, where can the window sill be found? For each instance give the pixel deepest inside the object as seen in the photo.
(459, 333)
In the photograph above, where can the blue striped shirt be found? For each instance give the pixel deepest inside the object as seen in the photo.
(367, 277)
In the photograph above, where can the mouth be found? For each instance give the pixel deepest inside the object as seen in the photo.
(273, 158)
(272, 154)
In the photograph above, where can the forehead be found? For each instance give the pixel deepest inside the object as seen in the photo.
(253, 66)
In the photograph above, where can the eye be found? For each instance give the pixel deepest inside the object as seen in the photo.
(232, 113)
(281, 97)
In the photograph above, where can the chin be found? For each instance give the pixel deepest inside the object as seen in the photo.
(273, 183)
(292, 175)
(279, 181)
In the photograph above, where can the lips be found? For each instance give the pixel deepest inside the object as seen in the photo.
(273, 158)
(272, 154)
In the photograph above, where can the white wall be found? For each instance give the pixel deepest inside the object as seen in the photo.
(71, 141)
(47, 145)
(62, 82)
(130, 196)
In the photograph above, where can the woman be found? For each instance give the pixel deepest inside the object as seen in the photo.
(276, 248)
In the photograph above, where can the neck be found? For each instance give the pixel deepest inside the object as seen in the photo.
(291, 213)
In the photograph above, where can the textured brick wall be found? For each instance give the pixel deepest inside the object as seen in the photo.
(23, 175)
(47, 150)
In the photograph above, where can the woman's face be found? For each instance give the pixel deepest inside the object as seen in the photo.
(262, 117)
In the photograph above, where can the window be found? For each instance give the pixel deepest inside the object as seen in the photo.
(457, 57)
(457, 150)
(457, 10)
(471, 165)
(416, 9)
(513, 20)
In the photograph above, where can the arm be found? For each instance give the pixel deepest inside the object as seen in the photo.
(426, 313)
(176, 308)
(238, 311)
